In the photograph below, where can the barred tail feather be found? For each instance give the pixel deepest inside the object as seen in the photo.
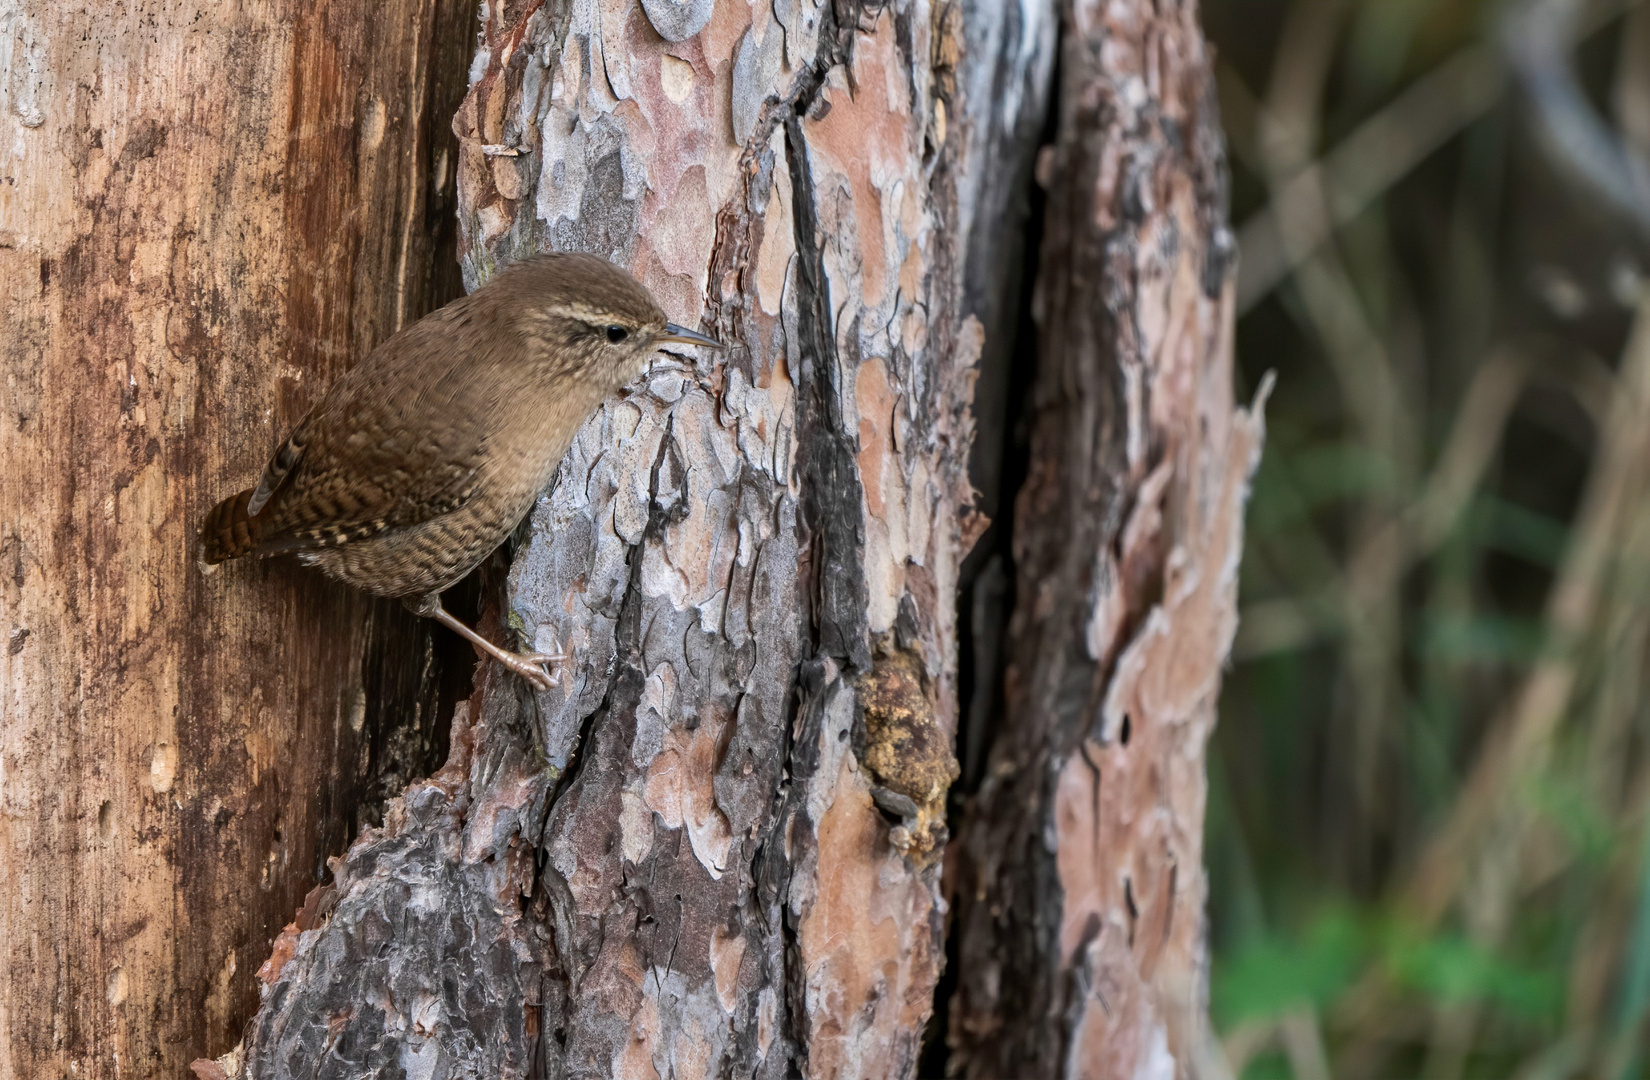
(229, 531)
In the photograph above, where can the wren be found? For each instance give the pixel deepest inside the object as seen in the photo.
(423, 458)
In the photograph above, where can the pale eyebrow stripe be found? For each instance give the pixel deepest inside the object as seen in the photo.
(583, 313)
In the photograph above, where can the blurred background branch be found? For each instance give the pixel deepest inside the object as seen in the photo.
(1539, 36)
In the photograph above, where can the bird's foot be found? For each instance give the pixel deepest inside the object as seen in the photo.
(531, 666)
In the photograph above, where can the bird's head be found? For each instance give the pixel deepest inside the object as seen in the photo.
(600, 324)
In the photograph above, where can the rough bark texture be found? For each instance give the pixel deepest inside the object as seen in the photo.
(1080, 884)
(716, 849)
(206, 213)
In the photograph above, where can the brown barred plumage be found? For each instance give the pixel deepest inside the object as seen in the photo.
(229, 532)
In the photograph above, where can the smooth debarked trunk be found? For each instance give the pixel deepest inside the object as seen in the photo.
(207, 212)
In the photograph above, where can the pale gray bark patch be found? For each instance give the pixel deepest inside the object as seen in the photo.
(993, 203)
(678, 20)
(425, 966)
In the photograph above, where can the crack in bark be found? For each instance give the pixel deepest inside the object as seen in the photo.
(832, 497)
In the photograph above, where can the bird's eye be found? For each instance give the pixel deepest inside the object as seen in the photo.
(616, 334)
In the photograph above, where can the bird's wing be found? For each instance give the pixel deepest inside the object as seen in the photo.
(341, 500)
(279, 468)
(379, 452)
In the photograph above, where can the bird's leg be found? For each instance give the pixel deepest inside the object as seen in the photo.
(528, 665)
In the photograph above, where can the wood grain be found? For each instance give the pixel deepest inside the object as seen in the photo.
(207, 211)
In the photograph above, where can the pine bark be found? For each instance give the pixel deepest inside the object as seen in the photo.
(1080, 886)
(206, 214)
(717, 848)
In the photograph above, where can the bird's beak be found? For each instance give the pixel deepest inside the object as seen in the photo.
(682, 335)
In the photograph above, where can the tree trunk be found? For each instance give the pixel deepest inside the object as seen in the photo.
(721, 846)
(716, 848)
(1080, 895)
(205, 216)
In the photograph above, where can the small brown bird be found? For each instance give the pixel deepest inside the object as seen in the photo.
(424, 457)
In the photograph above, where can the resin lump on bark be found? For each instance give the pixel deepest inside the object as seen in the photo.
(907, 752)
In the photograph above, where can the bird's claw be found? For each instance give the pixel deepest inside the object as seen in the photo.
(531, 666)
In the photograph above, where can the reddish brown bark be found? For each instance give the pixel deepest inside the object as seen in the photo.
(1080, 884)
